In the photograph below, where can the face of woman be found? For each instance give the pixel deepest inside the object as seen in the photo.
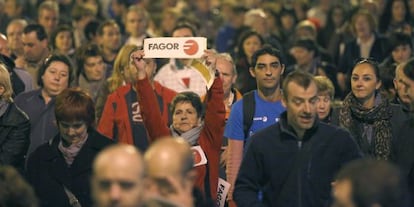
(364, 82)
(398, 11)
(251, 45)
(362, 27)
(56, 78)
(64, 41)
(323, 106)
(72, 132)
(185, 117)
(338, 17)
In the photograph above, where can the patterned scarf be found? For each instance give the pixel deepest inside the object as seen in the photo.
(191, 136)
(70, 152)
(353, 115)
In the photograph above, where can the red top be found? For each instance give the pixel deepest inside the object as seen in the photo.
(211, 135)
(120, 117)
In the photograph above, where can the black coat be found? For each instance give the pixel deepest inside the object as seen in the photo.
(282, 170)
(14, 137)
(403, 153)
(47, 171)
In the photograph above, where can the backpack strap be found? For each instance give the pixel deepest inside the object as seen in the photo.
(249, 107)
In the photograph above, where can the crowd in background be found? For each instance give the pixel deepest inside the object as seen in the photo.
(77, 75)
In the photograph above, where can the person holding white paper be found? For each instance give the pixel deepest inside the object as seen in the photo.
(188, 121)
(178, 74)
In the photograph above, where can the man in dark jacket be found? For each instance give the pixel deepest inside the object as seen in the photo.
(293, 162)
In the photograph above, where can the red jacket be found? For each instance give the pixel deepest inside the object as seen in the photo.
(119, 117)
(211, 135)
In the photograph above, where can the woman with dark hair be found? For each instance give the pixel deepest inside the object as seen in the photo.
(63, 40)
(395, 18)
(370, 118)
(249, 42)
(335, 23)
(54, 76)
(14, 126)
(60, 169)
(189, 121)
(119, 121)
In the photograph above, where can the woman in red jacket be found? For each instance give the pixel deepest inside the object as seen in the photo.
(188, 121)
(121, 119)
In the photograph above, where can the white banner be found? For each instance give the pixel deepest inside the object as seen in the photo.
(199, 156)
(222, 190)
(175, 47)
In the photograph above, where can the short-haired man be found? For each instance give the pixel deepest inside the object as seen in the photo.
(35, 49)
(136, 23)
(228, 74)
(170, 171)
(369, 183)
(14, 34)
(267, 68)
(109, 37)
(293, 162)
(118, 177)
(404, 85)
(21, 80)
(48, 15)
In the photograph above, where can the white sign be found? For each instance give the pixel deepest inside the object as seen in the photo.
(199, 156)
(175, 47)
(222, 190)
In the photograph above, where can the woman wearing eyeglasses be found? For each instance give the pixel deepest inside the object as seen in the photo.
(60, 169)
(371, 119)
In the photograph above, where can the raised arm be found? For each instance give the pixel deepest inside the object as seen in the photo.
(214, 120)
(151, 114)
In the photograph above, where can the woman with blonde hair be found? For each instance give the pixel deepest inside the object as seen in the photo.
(121, 118)
(14, 126)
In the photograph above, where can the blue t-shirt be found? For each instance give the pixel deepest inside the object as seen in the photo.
(266, 114)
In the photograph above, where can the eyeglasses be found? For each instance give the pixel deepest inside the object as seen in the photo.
(369, 60)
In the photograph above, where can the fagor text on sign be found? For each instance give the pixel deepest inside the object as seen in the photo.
(175, 47)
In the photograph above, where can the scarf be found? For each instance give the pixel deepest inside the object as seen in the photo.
(353, 115)
(70, 152)
(3, 106)
(191, 136)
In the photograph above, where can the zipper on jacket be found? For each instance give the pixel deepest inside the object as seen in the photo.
(299, 175)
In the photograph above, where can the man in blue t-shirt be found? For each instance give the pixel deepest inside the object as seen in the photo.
(267, 68)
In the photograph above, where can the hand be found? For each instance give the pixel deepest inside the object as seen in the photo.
(139, 63)
(210, 59)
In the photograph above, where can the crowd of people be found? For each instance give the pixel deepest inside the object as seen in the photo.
(311, 104)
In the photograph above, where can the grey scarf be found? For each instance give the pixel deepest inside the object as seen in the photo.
(191, 136)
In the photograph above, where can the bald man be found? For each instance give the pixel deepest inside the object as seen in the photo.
(118, 177)
(170, 172)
